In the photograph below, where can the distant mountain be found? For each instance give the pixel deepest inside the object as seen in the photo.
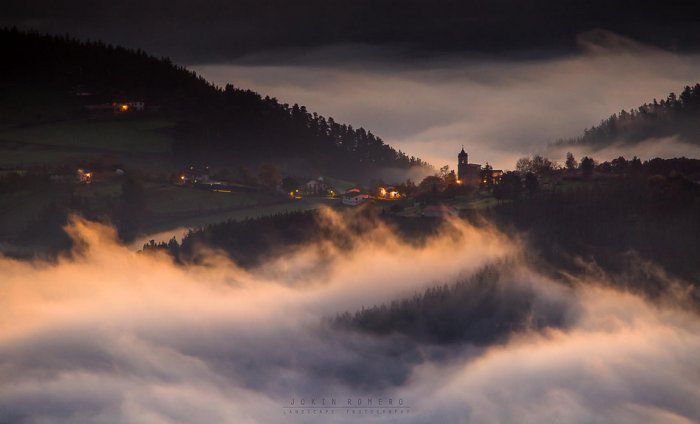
(677, 115)
(56, 79)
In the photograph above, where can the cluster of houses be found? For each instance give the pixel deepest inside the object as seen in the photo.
(468, 174)
(351, 197)
(354, 196)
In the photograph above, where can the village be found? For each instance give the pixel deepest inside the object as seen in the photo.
(441, 195)
(198, 194)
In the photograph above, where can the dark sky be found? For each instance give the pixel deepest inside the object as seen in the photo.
(221, 30)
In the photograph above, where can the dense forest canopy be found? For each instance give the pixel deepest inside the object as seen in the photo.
(677, 115)
(213, 124)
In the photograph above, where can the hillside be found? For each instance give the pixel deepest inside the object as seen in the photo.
(619, 225)
(55, 89)
(677, 115)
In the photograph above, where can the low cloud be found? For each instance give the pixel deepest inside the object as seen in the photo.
(666, 147)
(110, 335)
(625, 361)
(500, 109)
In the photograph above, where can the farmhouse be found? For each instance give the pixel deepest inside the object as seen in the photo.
(353, 197)
(317, 187)
(125, 107)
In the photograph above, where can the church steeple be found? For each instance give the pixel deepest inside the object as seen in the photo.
(462, 161)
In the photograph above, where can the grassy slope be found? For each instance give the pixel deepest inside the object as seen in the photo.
(31, 104)
(475, 202)
(242, 213)
(164, 198)
(137, 135)
(60, 142)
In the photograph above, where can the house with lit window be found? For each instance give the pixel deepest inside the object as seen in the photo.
(388, 193)
(126, 107)
(84, 176)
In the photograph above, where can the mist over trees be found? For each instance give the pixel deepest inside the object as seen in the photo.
(252, 241)
(677, 115)
(624, 217)
(482, 309)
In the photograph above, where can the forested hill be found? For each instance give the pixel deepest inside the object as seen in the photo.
(51, 78)
(677, 115)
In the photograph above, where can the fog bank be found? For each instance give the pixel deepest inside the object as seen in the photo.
(109, 335)
(499, 108)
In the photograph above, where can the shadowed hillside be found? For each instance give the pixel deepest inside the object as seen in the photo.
(52, 86)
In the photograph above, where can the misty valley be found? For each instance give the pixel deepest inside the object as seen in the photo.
(175, 249)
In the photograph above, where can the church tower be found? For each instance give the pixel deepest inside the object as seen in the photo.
(462, 161)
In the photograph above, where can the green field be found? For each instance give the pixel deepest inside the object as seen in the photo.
(254, 211)
(130, 136)
(170, 200)
(34, 103)
(166, 198)
(174, 206)
(475, 202)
